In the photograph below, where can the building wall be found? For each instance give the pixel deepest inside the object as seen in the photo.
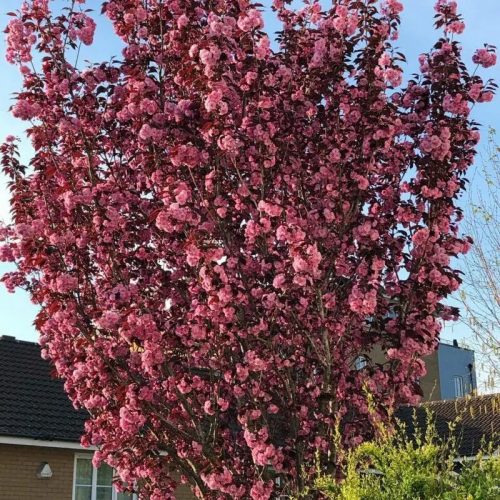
(442, 366)
(18, 474)
(183, 492)
(430, 382)
(455, 362)
(19, 466)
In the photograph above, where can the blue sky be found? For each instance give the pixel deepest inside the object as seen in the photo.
(482, 19)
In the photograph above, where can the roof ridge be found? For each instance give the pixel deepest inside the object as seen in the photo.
(458, 401)
(11, 338)
(465, 399)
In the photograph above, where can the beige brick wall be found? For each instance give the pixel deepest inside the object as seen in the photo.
(183, 492)
(19, 466)
(430, 381)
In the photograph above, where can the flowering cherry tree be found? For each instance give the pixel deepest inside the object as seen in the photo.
(215, 230)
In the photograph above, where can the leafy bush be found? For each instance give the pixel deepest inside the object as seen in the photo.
(395, 466)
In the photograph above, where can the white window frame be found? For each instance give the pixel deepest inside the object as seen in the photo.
(459, 386)
(93, 495)
(360, 362)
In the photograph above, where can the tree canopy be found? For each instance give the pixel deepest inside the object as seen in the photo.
(215, 230)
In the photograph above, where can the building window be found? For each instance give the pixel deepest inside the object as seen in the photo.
(459, 387)
(360, 362)
(95, 484)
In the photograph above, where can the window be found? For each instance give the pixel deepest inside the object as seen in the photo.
(459, 387)
(360, 362)
(95, 484)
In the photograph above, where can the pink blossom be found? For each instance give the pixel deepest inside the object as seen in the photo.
(457, 27)
(279, 281)
(193, 254)
(393, 7)
(475, 91)
(206, 222)
(250, 21)
(152, 357)
(66, 283)
(109, 320)
(255, 363)
(363, 302)
(262, 49)
(228, 143)
(486, 97)
(208, 408)
(182, 193)
(394, 77)
(320, 51)
(182, 21)
(213, 99)
(146, 132)
(6, 254)
(448, 7)
(209, 57)
(131, 421)
(164, 222)
(421, 236)
(485, 58)
(261, 490)
(456, 104)
(270, 209)
(242, 372)
(25, 110)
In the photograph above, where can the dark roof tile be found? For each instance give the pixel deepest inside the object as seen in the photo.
(33, 403)
(477, 420)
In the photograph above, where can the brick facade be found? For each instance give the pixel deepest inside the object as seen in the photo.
(19, 466)
(18, 474)
(430, 382)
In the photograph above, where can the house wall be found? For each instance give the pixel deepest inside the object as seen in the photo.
(19, 466)
(18, 474)
(455, 362)
(430, 382)
(442, 366)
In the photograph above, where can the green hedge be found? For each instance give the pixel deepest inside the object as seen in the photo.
(398, 467)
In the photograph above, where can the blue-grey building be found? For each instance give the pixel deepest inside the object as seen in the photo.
(456, 371)
(451, 372)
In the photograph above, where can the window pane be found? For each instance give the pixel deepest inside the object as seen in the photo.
(124, 496)
(84, 471)
(104, 493)
(459, 387)
(104, 475)
(83, 492)
(360, 363)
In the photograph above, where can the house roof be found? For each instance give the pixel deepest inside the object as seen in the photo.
(33, 403)
(477, 419)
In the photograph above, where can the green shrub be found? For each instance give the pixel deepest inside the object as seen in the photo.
(397, 467)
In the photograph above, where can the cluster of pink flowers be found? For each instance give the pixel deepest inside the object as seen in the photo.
(394, 7)
(485, 58)
(456, 104)
(250, 20)
(20, 39)
(83, 28)
(447, 7)
(215, 231)
(457, 27)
